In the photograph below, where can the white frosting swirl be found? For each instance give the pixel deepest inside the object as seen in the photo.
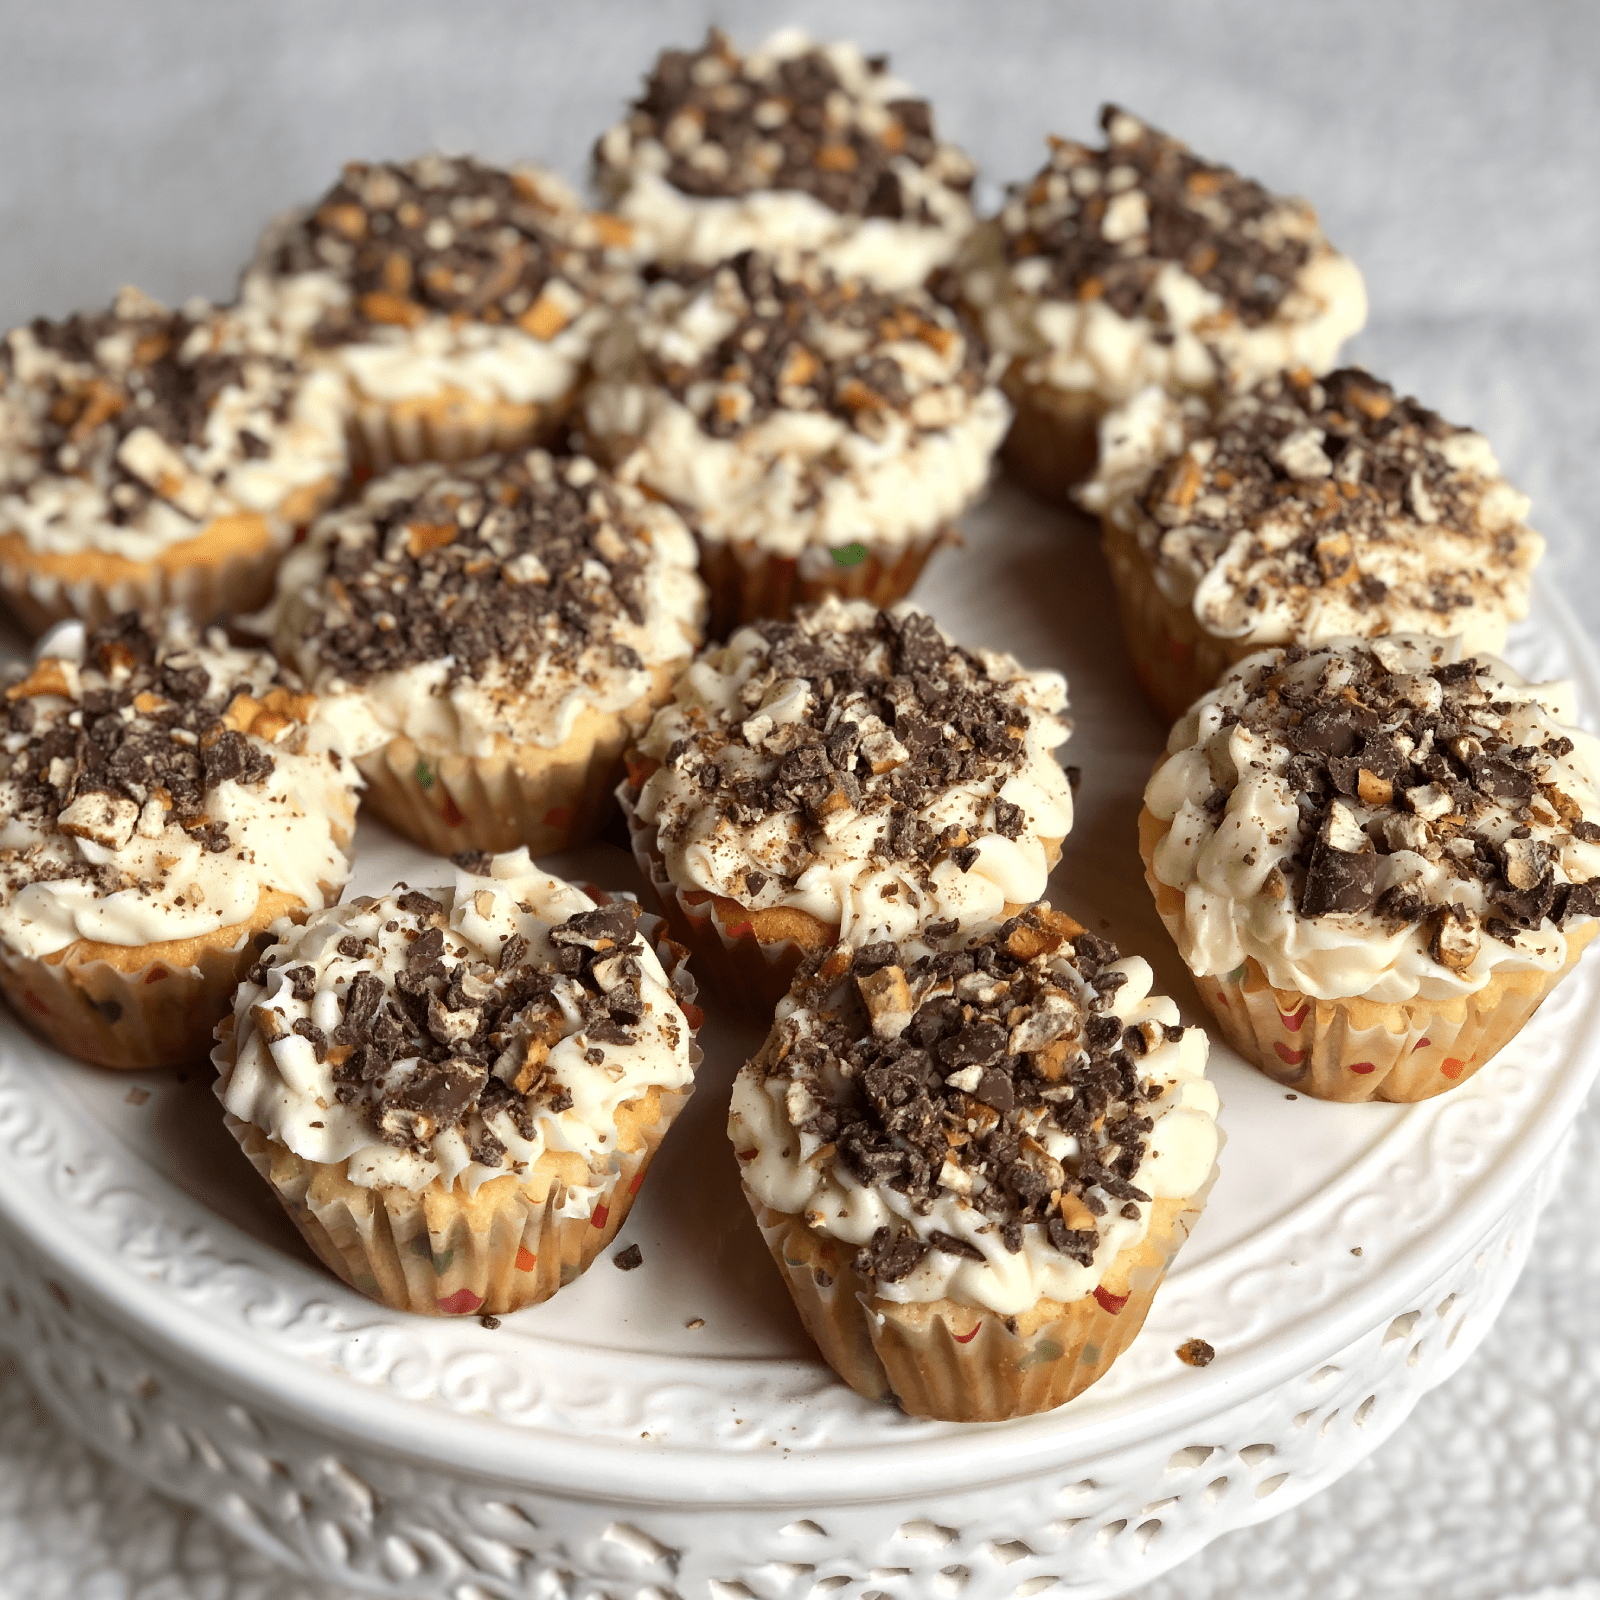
(153, 880)
(791, 1170)
(1223, 862)
(281, 1088)
(845, 871)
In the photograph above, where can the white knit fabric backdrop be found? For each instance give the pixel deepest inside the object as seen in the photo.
(1452, 148)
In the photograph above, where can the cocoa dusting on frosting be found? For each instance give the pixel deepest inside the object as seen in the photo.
(1102, 222)
(445, 237)
(123, 400)
(519, 562)
(955, 1073)
(1385, 760)
(449, 1040)
(134, 738)
(882, 717)
(1336, 472)
(805, 341)
(733, 126)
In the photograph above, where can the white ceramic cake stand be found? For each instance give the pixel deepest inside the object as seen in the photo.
(668, 1432)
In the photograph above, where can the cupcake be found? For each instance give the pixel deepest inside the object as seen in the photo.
(153, 458)
(165, 799)
(848, 776)
(455, 1092)
(800, 146)
(1377, 857)
(819, 436)
(457, 301)
(490, 637)
(973, 1155)
(1140, 264)
(1301, 511)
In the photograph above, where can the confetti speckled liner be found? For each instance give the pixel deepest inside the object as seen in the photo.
(963, 1363)
(152, 1005)
(444, 1252)
(1355, 1048)
(746, 582)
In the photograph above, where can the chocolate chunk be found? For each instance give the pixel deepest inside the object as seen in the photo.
(995, 1089)
(232, 758)
(627, 1260)
(948, 1244)
(601, 929)
(477, 862)
(889, 1257)
(1335, 879)
(421, 906)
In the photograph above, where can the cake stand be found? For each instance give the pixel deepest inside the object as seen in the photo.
(668, 1432)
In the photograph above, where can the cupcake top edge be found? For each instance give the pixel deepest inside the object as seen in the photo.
(783, 405)
(1385, 817)
(1140, 262)
(986, 1113)
(857, 765)
(132, 429)
(1312, 508)
(467, 606)
(458, 1034)
(443, 271)
(157, 785)
(795, 116)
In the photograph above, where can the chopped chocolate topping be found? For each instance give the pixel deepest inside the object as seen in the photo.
(444, 237)
(1419, 800)
(893, 716)
(1106, 221)
(627, 1260)
(804, 340)
(136, 739)
(1197, 1353)
(961, 1071)
(733, 126)
(520, 564)
(1328, 474)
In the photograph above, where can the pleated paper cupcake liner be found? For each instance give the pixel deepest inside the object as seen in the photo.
(228, 568)
(1174, 659)
(445, 1252)
(746, 971)
(1054, 439)
(1354, 1048)
(546, 799)
(150, 1006)
(449, 426)
(746, 582)
(963, 1363)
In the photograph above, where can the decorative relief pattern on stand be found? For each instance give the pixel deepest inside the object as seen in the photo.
(380, 1524)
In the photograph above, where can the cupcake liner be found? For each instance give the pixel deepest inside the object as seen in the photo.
(135, 1007)
(747, 958)
(546, 799)
(445, 1252)
(963, 1363)
(746, 582)
(1355, 1048)
(1054, 440)
(451, 425)
(228, 567)
(1174, 659)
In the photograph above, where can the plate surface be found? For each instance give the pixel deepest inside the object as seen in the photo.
(693, 1371)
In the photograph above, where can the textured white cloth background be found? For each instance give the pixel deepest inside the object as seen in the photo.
(1452, 148)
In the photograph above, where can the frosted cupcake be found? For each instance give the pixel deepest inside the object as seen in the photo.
(1141, 264)
(819, 437)
(490, 637)
(973, 1156)
(1377, 858)
(849, 775)
(1302, 510)
(455, 1092)
(153, 458)
(798, 146)
(165, 798)
(457, 301)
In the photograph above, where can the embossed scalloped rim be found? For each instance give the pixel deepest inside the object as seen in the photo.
(254, 1331)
